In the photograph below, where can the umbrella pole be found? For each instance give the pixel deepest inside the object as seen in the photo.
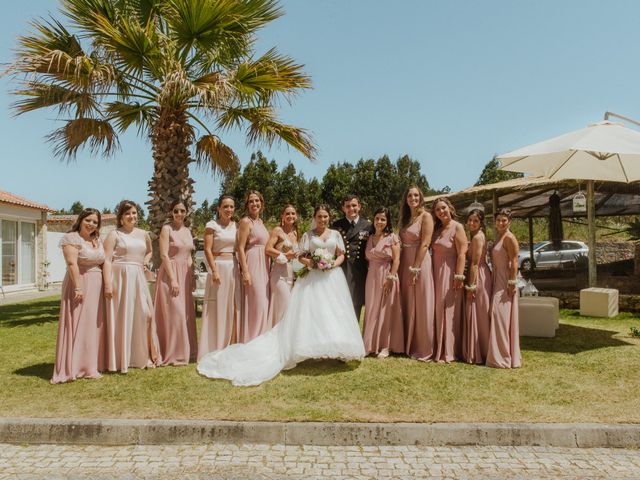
(591, 238)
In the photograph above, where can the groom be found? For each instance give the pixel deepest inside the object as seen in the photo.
(355, 233)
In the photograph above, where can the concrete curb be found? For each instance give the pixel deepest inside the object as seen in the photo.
(126, 432)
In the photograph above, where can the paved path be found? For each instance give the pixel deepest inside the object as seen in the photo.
(278, 462)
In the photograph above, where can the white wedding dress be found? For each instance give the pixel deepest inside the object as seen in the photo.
(319, 322)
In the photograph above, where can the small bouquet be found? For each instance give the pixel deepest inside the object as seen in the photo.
(322, 260)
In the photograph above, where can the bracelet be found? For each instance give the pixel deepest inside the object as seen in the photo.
(512, 282)
(281, 259)
(459, 276)
(392, 276)
(470, 288)
(414, 270)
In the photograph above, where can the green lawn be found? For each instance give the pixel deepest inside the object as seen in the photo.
(588, 373)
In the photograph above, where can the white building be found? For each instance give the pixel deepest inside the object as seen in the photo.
(23, 246)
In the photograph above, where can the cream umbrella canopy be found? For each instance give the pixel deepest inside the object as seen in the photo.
(604, 151)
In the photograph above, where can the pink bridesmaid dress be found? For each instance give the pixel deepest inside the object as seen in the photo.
(417, 300)
(132, 337)
(220, 306)
(477, 320)
(383, 327)
(449, 309)
(80, 349)
(176, 316)
(254, 319)
(504, 336)
(280, 285)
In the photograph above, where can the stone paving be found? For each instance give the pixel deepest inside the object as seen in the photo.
(257, 461)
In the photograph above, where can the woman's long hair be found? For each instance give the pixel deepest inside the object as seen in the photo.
(480, 214)
(387, 214)
(246, 202)
(405, 210)
(437, 223)
(295, 224)
(187, 218)
(84, 214)
(123, 207)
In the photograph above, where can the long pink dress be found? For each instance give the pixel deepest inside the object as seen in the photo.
(504, 336)
(475, 331)
(383, 327)
(254, 319)
(449, 306)
(176, 316)
(221, 302)
(417, 300)
(80, 349)
(132, 337)
(280, 284)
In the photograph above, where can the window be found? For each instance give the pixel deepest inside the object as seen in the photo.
(9, 252)
(27, 252)
(18, 247)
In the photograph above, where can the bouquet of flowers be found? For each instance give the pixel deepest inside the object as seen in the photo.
(322, 260)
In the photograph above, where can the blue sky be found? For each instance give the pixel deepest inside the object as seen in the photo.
(449, 83)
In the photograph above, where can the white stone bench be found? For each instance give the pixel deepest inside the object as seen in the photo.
(599, 302)
(538, 316)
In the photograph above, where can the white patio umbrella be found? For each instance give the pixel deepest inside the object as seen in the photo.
(604, 151)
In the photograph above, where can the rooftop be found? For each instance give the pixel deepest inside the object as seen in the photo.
(12, 199)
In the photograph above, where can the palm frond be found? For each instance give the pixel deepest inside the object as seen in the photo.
(98, 135)
(270, 131)
(86, 14)
(123, 115)
(212, 154)
(234, 117)
(50, 35)
(42, 95)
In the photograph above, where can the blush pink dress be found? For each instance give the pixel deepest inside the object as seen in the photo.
(475, 331)
(417, 300)
(254, 318)
(80, 348)
(176, 316)
(221, 301)
(504, 336)
(132, 337)
(449, 309)
(383, 328)
(280, 284)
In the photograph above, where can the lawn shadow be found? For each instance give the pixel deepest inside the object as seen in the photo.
(573, 339)
(318, 367)
(26, 314)
(41, 370)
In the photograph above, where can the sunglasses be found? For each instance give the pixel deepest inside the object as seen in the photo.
(179, 210)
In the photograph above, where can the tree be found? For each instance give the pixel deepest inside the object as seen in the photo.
(181, 71)
(491, 173)
(76, 208)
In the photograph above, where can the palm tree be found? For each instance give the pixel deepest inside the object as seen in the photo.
(181, 71)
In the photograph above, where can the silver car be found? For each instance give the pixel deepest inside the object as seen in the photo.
(546, 255)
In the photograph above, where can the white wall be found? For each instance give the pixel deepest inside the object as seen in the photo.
(57, 265)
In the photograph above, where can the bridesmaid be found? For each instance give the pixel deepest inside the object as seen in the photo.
(449, 246)
(504, 336)
(80, 350)
(222, 291)
(254, 265)
(383, 329)
(282, 247)
(416, 281)
(132, 340)
(475, 331)
(174, 307)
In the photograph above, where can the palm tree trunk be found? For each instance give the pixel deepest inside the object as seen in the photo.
(171, 137)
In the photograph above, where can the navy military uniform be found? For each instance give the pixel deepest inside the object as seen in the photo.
(355, 264)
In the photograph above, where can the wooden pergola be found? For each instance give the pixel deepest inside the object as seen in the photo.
(528, 197)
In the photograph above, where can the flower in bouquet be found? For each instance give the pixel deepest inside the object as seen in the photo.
(321, 259)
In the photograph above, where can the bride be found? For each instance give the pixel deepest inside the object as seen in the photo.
(319, 321)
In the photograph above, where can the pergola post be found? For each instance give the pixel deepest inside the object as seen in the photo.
(494, 210)
(533, 265)
(591, 235)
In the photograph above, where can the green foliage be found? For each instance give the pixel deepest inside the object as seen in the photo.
(491, 174)
(634, 331)
(77, 208)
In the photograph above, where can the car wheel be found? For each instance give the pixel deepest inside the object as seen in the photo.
(527, 265)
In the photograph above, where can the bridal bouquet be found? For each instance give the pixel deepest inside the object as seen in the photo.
(322, 260)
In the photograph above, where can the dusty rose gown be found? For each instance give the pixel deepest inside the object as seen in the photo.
(132, 337)
(417, 300)
(176, 316)
(475, 331)
(449, 308)
(504, 336)
(383, 327)
(80, 348)
(221, 302)
(254, 317)
(280, 284)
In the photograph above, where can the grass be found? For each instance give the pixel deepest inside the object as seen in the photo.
(588, 373)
